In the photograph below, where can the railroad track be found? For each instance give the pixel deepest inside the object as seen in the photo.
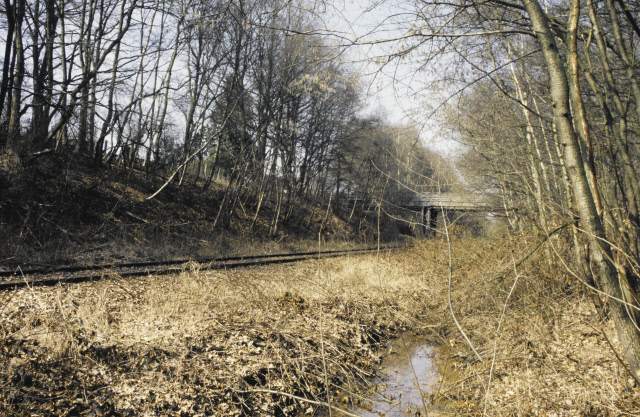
(73, 274)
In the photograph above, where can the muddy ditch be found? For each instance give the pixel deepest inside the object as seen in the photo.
(406, 379)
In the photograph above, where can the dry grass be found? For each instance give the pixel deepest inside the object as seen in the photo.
(201, 342)
(281, 340)
(548, 356)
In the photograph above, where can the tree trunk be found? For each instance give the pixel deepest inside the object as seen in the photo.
(601, 252)
(14, 118)
(8, 49)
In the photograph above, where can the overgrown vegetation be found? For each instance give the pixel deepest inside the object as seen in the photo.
(288, 339)
(62, 211)
(178, 128)
(545, 100)
(544, 348)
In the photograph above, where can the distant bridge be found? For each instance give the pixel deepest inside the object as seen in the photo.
(447, 201)
(427, 205)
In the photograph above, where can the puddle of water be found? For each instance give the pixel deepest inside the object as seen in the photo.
(397, 393)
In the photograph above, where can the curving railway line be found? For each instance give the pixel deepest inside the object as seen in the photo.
(74, 274)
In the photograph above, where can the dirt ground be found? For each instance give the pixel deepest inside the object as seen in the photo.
(287, 340)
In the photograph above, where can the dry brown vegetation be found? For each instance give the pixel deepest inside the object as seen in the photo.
(199, 342)
(544, 349)
(283, 340)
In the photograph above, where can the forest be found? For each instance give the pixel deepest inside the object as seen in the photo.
(240, 91)
(249, 122)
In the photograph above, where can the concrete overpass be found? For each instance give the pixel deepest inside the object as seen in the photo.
(447, 201)
(428, 205)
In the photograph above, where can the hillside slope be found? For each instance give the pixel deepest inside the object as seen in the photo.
(59, 210)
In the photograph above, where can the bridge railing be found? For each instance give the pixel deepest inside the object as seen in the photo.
(449, 200)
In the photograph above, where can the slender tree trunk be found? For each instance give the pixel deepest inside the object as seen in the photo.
(601, 252)
(62, 138)
(8, 49)
(534, 162)
(630, 181)
(18, 77)
(106, 125)
(577, 104)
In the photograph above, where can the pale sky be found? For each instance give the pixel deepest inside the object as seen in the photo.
(348, 22)
(397, 89)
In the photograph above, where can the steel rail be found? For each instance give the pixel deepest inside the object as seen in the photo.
(41, 277)
(78, 268)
